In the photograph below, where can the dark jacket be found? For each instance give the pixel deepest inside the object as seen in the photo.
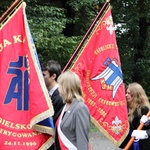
(144, 144)
(58, 105)
(148, 132)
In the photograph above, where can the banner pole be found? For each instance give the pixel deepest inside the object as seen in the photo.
(77, 49)
(132, 138)
(13, 5)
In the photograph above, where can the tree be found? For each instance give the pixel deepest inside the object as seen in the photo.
(47, 23)
(133, 42)
(4, 5)
(58, 26)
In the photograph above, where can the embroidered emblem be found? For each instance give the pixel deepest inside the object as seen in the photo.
(109, 24)
(117, 127)
(111, 77)
(18, 88)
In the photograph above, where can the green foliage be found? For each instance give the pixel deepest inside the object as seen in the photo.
(4, 5)
(133, 42)
(93, 128)
(47, 27)
(58, 26)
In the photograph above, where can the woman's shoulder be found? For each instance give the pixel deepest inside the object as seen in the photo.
(80, 105)
(144, 110)
(145, 107)
(81, 110)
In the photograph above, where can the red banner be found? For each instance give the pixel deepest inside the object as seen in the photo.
(97, 63)
(25, 106)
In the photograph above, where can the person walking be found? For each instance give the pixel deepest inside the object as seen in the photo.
(73, 124)
(51, 71)
(138, 105)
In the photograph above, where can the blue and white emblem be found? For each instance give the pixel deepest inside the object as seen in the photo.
(112, 76)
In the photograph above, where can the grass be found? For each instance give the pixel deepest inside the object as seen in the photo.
(93, 128)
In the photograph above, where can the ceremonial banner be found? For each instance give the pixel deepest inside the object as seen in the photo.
(97, 63)
(25, 107)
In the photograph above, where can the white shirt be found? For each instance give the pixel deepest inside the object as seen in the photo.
(53, 90)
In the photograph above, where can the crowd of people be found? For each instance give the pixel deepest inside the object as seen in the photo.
(72, 118)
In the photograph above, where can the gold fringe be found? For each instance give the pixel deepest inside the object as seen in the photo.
(116, 143)
(43, 129)
(48, 113)
(44, 115)
(9, 12)
(39, 118)
(47, 144)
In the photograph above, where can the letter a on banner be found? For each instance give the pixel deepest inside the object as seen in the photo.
(97, 63)
(25, 107)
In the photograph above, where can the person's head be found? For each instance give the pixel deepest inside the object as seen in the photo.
(70, 87)
(136, 97)
(51, 70)
(135, 94)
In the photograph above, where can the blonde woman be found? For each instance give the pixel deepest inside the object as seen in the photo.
(74, 122)
(138, 105)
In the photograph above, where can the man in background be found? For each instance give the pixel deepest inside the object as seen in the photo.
(51, 70)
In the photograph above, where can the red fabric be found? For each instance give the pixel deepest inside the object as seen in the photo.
(62, 146)
(97, 58)
(22, 96)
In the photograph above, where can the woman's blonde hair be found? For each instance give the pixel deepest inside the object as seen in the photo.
(71, 86)
(139, 99)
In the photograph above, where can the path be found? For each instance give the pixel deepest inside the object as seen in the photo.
(99, 142)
